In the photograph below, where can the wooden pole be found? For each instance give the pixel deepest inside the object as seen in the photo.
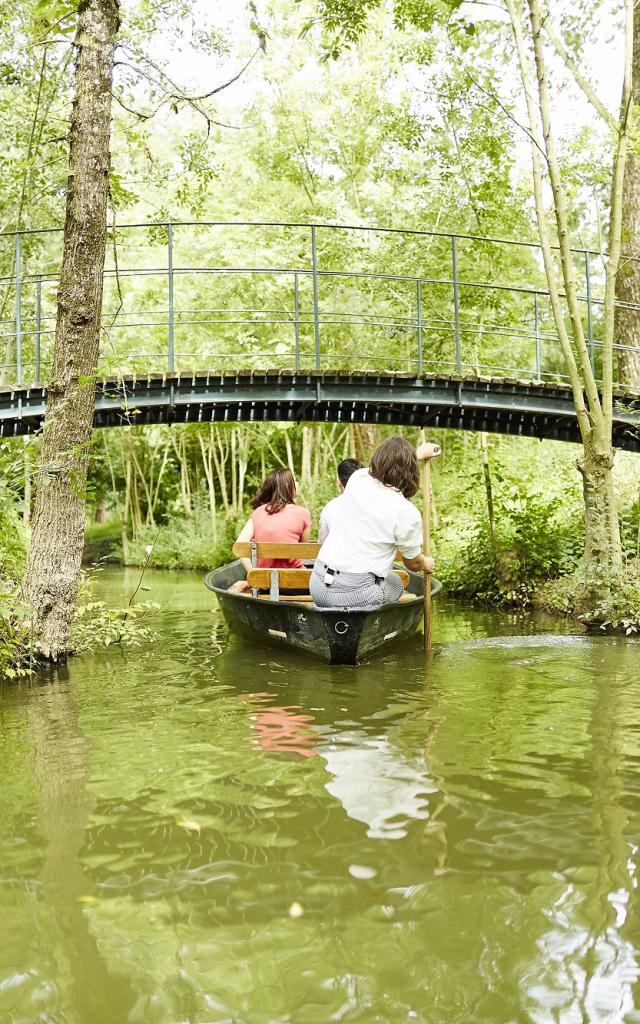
(426, 544)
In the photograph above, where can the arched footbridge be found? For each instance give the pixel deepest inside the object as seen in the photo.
(212, 322)
(533, 409)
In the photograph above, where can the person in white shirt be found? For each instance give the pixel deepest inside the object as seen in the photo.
(345, 469)
(373, 520)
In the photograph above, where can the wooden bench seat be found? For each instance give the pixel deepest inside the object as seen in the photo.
(275, 580)
(307, 598)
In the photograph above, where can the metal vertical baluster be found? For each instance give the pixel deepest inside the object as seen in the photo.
(456, 304)
(587, 274)
(171, 360)
(316, 323)
(296, 321)
(536, 328)
(18, 263)
(419, 305)
(38, 325)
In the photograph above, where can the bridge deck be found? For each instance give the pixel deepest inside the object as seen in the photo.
(505, 406)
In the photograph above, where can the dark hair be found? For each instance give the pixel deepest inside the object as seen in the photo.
(346, 469)
(395, 464)
(278, 489)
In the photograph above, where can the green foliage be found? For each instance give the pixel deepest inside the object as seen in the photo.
(12, 536)
(533, 542)
(183, 544)
(100, 539)
(15, 654)
(97, 625)
(608, 605)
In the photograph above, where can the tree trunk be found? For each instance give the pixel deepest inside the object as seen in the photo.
(501, 570)
(26, 462)
(208, 465)
(125, 513)
(305, 462)
(54, 564)
(627, 320)
(366, 439)
(600, 555)
(101, 514)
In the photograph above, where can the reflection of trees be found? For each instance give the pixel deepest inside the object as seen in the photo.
(65, 806)
(589, 941)
(435, 829)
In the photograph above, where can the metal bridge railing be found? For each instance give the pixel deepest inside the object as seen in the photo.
(203, 295)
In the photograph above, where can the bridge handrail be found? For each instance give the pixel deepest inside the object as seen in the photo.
(322, 225)
(524, 319)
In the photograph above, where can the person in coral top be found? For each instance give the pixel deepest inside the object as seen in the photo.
(276, 518)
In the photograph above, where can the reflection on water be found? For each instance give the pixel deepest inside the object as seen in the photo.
(205, 831)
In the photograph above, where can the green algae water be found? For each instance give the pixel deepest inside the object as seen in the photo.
(204, 831)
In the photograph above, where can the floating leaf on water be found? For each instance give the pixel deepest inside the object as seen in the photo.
(191, 826)
(296, 910)
(88, 898)
(361, 871)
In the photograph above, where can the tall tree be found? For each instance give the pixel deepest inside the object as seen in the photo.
(53, 568)
(594, 406)
(535, 36)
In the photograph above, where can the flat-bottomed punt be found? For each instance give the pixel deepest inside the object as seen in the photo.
(334, 635)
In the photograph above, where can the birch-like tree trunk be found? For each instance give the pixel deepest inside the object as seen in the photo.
(627, 319)
(594, 408)
(53, 567)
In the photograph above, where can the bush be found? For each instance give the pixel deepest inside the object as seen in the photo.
(15, 652)
(182, 544)
(97, 625)
(13, 546)
(100, 540)
(608, 605)
(534, 541)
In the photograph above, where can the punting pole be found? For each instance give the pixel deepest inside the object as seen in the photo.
(426, 544)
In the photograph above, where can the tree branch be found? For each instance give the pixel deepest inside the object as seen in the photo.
(545, 242)
(570, 64)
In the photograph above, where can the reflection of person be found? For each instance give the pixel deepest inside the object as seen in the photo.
(376, 784)
(373, 521)
(346, 469)
(275, 519)
(282, 730)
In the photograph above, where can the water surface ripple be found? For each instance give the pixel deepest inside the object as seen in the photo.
(204, 831)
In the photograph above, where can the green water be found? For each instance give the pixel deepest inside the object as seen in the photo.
(205, 831)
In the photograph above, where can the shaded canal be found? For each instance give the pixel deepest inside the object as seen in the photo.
(204, 831)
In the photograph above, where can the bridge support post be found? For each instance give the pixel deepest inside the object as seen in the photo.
(296, 320)
(18, 309)
(314, 270)
(171, 352)
(419, 323)
(587, 275)
(38, 326)
(456, 304)
(536, 331)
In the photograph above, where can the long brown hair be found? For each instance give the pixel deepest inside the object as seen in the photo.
(278, 490)
(395, 464)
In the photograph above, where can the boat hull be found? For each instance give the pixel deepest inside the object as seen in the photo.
(332, 635)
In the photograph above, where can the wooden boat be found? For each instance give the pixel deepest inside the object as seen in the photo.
(340, 637)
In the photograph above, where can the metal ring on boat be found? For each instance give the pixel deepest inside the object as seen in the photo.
(341, 627)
